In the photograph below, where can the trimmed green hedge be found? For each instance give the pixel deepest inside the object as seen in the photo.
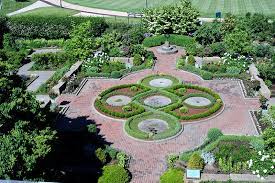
(131, 126)
(137, 109)
(114, 174)
(51, 27)
(39, 43)
(142, 96)
(179, 40)
(215, 105)
(206, 74)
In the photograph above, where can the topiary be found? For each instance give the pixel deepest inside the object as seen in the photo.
(116, 74)
(172, 176)
(127, 108)
(195, 161)
(191, 60)
(213, 134)
(137, 60)
(184, 109)
(114, 174)
(101, 155)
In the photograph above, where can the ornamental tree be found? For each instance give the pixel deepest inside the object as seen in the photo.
(172, 19)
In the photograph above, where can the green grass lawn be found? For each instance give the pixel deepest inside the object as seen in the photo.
(207, 8)
(9, 6)
(50, 11)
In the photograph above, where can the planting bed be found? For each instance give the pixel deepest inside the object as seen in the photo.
(157, 104)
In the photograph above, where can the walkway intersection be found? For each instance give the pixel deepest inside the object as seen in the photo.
(148, 158)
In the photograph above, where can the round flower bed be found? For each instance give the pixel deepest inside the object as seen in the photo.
(152, 126)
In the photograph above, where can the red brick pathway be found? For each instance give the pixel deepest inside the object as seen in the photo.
(148, 158)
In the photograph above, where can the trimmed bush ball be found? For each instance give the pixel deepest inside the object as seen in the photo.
(191, 60)
(101, 155)
(114, 174)
(137, 60)
(127, 108)
(195, 161)
(214, 133)
(134, 88)
(182, 91)
(116, 74)
(92, 128)
(172, 175)
(184, 109)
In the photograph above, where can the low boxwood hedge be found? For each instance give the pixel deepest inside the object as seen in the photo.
(131, 126)
(136, 109)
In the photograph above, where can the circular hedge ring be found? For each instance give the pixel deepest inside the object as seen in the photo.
(152, 126)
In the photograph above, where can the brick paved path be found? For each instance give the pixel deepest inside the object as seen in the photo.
(148, 161)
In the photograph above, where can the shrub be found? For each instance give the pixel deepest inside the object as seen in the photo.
(257, 144)
(191, 60)
(195, 161)
(123, 159)
(101, 155)
(92, 128)
(134, 88)
(214, 133)
(127, 108)
(116, 74)
(54, 27)
(178, 19)
(114, 174)
(172, 176)
(45, 61)
(184, 109)
(39, 43)
(171, 160)
(137, 60)
(3, 28)
(112, 152)
(233, 70)
(218, 48)
(269, 138)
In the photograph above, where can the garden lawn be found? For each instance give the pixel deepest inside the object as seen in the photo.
(50, 11)
(9, 6)
(207, 8)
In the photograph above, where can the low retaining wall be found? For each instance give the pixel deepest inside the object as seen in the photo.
(61, 85)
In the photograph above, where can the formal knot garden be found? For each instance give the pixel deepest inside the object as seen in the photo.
(156, 107)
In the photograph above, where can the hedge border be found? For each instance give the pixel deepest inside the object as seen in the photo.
(131, 126)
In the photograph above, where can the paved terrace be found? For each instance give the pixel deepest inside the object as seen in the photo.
(148, 158)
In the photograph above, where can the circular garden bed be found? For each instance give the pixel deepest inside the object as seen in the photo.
(154, 112)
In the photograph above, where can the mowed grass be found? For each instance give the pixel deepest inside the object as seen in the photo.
(207, 8)
(9, 6)
(49, 11)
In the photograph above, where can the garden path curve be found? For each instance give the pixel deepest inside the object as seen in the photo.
(148, 158)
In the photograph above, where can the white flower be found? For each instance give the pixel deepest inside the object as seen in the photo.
(265, 170)
(272, 167)
(273, 160)
(258, 175)
(253, 172)
(257, 171)
(262, 178)
(260, 153)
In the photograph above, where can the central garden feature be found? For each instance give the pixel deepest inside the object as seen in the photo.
(156, 105)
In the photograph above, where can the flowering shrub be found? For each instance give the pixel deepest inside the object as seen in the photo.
(241, 62)
(262, 164)
(96, 62)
